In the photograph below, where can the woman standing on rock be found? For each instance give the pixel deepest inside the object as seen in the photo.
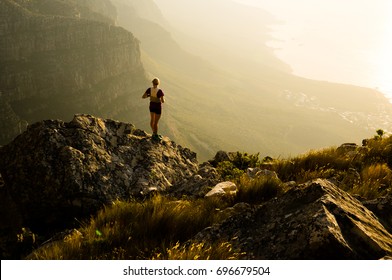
(156, 99)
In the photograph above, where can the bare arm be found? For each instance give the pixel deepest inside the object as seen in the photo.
(162, 99)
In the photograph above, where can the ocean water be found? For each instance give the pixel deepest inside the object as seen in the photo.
(345, 41)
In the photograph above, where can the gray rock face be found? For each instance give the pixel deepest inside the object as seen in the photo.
(59, 58)
(258, 172)
(57, 169)
(314, 221)
(197, 185)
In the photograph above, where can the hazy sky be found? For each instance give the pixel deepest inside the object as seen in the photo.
(347, 41)
(337, 40)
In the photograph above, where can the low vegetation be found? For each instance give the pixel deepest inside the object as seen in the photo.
(160, 227)
(153, 229)
(363, 171)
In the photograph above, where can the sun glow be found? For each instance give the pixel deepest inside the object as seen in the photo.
(339, 41)
(381, 59)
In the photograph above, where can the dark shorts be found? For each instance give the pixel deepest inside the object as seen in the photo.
(155, 108)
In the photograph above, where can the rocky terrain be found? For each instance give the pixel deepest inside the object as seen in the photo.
(57, 169)
(316, 220)
(60, 58)
(58, 172)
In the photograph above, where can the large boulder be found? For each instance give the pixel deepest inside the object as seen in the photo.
(57, 170)
(316, 220)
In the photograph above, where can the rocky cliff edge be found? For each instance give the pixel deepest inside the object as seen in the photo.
(58, 169)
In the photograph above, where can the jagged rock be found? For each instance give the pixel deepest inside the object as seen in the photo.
(223, 189)
(316, 220)
(382, 207)
(290, 184)
(222, 156)
(258, 172)
(349, 149)
(235, 209)
(56, 170)
(198, 184)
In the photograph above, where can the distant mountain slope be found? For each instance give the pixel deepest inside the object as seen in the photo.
(59, 58)
(189, 81)
(227, 90)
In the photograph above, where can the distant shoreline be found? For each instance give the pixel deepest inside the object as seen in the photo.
(339, 62)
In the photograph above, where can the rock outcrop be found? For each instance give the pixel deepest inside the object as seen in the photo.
(314, 221)
(60, 58)
(56, 170)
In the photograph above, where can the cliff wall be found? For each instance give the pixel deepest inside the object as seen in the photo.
(56, 65)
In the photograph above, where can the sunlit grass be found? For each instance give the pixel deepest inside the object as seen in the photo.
(135, 230)
(376, 181)
(314, 164)
(201, 251)
(163, 228)
(259, 189)
(365, 172)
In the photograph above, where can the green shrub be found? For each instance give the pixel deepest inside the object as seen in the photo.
(229, 171)
(244, 161)
(235, 168)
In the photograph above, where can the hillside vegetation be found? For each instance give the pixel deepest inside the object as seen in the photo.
(159, 227)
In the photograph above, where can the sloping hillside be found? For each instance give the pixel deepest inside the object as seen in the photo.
(237, 95)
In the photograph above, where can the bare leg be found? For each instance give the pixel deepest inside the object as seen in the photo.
(152, 121)
(156, 120)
